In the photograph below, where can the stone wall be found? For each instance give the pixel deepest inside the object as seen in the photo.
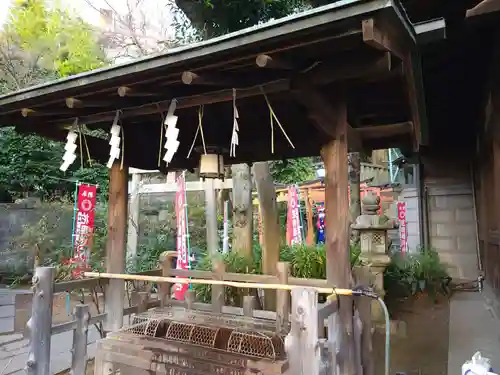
(452, 225)
(453, 229)
(15, 218)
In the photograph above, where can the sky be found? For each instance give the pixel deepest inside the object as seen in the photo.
(155, 10)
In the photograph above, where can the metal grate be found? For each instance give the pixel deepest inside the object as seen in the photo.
(213, 334)
(256, 345)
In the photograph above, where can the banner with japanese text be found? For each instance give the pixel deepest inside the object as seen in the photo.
(182, 244)
(403, 227)
(84, 223)
(293, 227)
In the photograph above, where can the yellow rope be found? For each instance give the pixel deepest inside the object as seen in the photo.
(273, 114)
(201, 110)
(87, 149)
(235, 284)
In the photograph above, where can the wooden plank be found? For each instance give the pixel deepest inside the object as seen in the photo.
(242, 277)
(338, 267)
(190, 186)
(67, 286)
(116, 245)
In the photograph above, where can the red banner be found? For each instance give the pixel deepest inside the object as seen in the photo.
(293, 230)
(182, 247)
(403, 227)
(84, 223)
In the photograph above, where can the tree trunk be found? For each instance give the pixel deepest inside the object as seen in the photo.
(242, 209)
(354, 181)
(271, 231)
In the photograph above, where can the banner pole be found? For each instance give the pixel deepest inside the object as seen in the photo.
(75, 196)
(187, 224)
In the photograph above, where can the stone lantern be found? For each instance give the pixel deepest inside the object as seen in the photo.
(374, 243)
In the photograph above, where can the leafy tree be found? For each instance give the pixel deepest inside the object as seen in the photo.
(38, 44)
(292, 171)
(218, 17)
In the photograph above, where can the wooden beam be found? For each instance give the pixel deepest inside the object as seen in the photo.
(184, 102)
(326, 118)
(378, 65)
(25, 112)
(338, 267)
(124, 91)
(209, 79)
(266, 61)
(116, 244)
(28, 112)
(77, 103)
(326, 73)
(389, 130)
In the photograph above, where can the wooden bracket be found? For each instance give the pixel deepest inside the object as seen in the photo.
(381, 34)
(325, 115)
(385, 34)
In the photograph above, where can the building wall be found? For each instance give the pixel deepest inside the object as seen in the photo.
(450, 205)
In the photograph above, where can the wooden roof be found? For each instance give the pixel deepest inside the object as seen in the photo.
(355, 50)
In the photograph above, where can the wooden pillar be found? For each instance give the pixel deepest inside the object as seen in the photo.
(271, 231)
(116, 245)
(309, 216)
(338, 268)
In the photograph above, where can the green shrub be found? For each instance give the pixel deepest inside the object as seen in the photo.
(307, 262)
(416, 273)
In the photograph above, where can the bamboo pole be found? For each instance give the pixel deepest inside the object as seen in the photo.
(235, 284)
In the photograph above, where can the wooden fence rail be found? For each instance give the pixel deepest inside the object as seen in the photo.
(40, 328)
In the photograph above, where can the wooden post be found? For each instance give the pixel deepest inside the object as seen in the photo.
(133, 220)
(271, 231)
(302, 342)
(211, 216)
(189, 298)
(116, 245)
(39, 325)
(79, 350)
(338, 267)
(218, 268)
(363, 305)
(283, 298)
(142, 302)
(166, 266)
(309, 216)
(248, 305)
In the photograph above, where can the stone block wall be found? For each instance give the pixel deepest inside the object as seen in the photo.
(452, 228)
